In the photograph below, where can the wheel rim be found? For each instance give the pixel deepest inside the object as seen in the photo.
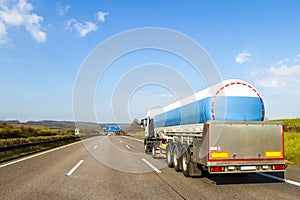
(153, 151)
(169, 156)
(184, 162)
(175, 158)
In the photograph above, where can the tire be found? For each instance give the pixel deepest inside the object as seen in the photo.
(169, 155)
(186, 161)
(146, 147)
(177, 158)
(153, 151)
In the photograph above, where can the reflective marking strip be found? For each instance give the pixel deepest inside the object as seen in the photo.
(74, 168)
(150, 165)
(219, 154)
(279, 179)
(273, 153)
(128, 147)
(95, 147)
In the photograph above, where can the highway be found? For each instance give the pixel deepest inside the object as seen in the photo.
(115, 167)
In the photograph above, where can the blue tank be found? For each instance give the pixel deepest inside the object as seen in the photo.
(230, 100)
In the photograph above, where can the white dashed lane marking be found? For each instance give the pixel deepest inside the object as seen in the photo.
(74, 168)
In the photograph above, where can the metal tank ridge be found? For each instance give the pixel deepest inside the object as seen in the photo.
(229, 100)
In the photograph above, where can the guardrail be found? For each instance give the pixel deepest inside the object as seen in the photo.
(14, 151)
(32, 147)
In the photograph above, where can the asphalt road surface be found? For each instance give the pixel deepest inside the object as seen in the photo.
(111, 167)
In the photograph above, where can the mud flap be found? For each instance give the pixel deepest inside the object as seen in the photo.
(194, 170)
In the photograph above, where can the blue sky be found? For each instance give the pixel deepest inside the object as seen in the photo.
(44, 43)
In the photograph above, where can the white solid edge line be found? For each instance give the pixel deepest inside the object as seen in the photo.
(150, 165)
(133, 139)
(128, 147)
(279, 179)
(38, 154)
(292, 182)
(74, 168)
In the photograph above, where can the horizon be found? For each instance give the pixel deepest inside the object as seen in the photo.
(45, 45)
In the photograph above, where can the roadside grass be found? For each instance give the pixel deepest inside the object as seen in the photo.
(292, 147)
(17, 141)
(290, 125)
(140, 134)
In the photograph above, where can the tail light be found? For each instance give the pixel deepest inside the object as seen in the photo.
(278, 167)
(217, 169)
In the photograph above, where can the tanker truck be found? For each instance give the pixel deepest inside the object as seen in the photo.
(218, 130)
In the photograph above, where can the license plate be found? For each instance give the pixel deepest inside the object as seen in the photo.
(247, 168)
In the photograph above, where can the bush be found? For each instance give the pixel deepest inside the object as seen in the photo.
(10, 131)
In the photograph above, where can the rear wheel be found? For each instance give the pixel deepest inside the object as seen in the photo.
(146, 146)
(169, 155)
(186, 159)
(189, 168)
(177, 158)
(154, 151)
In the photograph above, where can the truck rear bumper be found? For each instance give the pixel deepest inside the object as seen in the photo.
(221, 168)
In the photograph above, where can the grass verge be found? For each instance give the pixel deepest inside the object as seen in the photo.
(292, 147)
(140, 134)
(18, 141)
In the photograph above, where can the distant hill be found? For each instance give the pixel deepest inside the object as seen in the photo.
(50, 123)
(87, 126)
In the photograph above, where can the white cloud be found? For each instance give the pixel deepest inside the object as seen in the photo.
(82, 28)
(85, 28)
(3, 33)
(270, 82)
(62, 10)
(278, 75)
(19, 13)
(281, 62)
(242, 57)
(101, 16)
(285, 70)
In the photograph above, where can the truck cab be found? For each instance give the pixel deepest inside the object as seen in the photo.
(151, 140)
